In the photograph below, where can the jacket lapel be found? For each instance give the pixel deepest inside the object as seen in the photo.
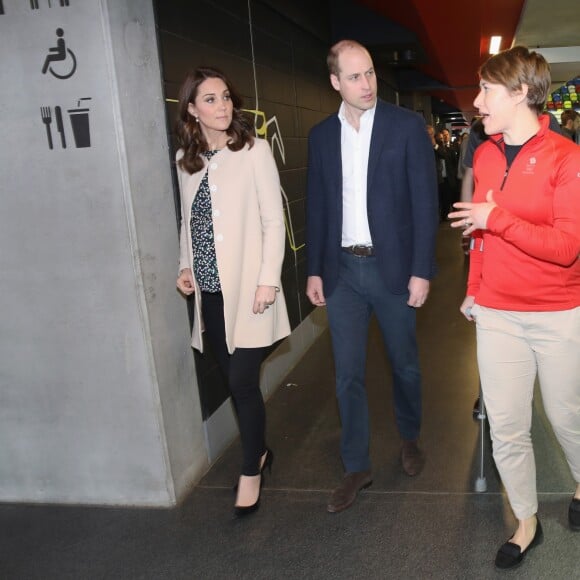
(192, 182)
(377, 138)
(334, 160)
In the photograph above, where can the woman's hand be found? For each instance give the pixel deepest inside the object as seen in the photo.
(265, 297)
(185, 282)
(466, 307)
(472, 216)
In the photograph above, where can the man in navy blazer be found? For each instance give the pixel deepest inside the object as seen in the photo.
(372, 220)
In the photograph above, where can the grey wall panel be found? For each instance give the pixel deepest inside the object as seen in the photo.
(238, 8)
(294, 183)
(305, 305)
(304, 17)
(176, 56)
(267, 18)
(295, 154)
(308, 94)
(286, 124)
(171, 92)
(310, 58)
(238, 69)
(292, 289)
(272, 50)
(275, 86)
(200, 20)
(329, 101)
(307, 118)
(298, 209)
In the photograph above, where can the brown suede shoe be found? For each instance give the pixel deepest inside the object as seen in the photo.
(345, 494)
(412, 458)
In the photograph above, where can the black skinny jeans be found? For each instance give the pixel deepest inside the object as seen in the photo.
(242, 372)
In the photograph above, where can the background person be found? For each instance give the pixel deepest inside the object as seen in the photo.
(440, 169)
(462, 139)
(435, 145)
(371, 227)
(447, 152)
(232, 247)
(524, 280)
(570, 121)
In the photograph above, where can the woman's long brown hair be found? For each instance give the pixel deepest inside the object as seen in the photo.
(189, 135)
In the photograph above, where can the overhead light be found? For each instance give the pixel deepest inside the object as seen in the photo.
(494, 44)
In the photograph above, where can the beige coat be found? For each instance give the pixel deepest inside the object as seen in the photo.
(249, 233)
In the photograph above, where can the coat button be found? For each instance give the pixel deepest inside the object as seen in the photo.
(213, 187)
(213, 165)
(219, 238)
(216, 213)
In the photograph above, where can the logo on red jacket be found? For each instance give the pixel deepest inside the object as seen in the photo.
(530, 166)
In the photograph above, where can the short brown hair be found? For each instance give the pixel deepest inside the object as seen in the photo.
(336, 49)
(568, 115)
(189, 135)
(519, 66)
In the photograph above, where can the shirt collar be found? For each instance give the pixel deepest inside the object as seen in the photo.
(366, 118)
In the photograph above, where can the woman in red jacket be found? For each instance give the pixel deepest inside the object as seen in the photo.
(524, 280)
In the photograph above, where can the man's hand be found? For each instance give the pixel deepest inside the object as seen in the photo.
(418, 291)
(314, 291)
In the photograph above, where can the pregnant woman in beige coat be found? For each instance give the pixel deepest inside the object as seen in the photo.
(232, 248)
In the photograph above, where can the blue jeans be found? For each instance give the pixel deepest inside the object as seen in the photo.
(360, 292)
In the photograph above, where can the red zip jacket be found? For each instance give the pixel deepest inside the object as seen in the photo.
(527, 259)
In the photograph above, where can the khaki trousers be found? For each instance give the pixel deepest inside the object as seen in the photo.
(512, 347)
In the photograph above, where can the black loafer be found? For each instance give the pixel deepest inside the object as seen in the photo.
(510, 555)
(574, 515)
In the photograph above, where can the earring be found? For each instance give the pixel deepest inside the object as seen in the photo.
(196, 118)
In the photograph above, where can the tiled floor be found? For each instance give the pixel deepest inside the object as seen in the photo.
(431, 527)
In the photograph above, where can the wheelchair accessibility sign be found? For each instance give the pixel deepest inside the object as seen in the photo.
(60, 61)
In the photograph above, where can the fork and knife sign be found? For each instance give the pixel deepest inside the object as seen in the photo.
(34, 4)
(46, 116)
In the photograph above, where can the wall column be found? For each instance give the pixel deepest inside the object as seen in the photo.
(98, 397)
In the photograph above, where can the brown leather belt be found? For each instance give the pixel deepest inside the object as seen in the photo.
(360, 251)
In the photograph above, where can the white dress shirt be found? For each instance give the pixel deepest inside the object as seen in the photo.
(355, 146)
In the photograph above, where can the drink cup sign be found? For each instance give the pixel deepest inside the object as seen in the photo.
(79, 119)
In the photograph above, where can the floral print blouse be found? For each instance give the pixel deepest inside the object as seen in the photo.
(202, 239)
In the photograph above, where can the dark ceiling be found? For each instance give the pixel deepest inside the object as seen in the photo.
(436, 46)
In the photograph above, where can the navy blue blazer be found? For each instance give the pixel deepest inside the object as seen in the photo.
(402, 202)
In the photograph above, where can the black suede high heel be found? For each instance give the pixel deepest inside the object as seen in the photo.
(268, 461)
(267, 464)
(243, 511)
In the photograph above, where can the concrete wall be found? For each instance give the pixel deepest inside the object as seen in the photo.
(98, 396)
